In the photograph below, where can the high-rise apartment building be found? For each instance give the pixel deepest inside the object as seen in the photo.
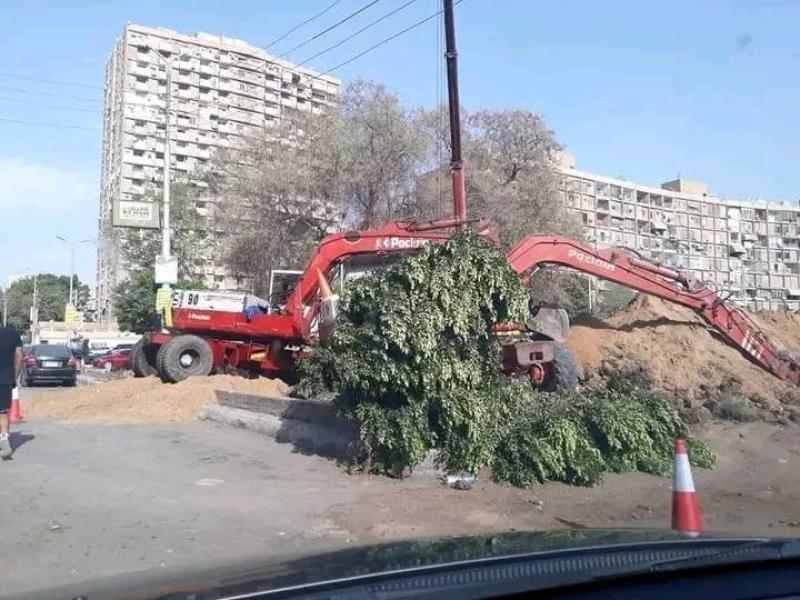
(749, 250)
(223, 90)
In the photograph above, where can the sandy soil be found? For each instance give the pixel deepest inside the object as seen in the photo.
(684, 358)
(142, 400)
(753, 489)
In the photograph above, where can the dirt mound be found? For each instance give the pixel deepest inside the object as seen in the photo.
(783, 329)
(683, 357)
(143, 400)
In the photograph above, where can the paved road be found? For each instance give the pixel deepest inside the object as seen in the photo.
(87, 500)
(81, 501)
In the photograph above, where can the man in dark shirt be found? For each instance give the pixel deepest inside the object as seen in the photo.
(10, 367)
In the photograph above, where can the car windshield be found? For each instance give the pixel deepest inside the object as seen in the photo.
(310, 276)
(50, 351)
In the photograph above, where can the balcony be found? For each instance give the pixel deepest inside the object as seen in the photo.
(736, 250)
(658, 226)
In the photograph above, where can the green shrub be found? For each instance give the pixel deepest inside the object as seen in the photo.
(618, 427)
(414, 360)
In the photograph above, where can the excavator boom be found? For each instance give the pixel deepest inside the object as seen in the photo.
(623, 267)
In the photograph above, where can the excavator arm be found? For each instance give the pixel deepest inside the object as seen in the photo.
(623, 267)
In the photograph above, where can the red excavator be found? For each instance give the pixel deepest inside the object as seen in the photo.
(238, 332)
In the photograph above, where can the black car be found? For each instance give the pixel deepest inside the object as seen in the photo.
(49, 363)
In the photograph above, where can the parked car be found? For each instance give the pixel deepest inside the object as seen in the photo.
(49, 363)
(113, 361)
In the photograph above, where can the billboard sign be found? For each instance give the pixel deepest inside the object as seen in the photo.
(135, 213)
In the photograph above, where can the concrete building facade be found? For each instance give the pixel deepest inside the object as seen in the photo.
(223, 91)
(749, 250)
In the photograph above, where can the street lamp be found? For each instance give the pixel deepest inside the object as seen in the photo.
(72, 245)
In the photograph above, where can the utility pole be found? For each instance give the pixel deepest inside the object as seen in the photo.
(168, 274)
(165, 225)
(456, 163)
(35, 311)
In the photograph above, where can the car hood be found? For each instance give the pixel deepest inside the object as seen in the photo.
(251, 574)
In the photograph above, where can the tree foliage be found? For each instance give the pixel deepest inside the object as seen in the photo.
(311, 174)
(414, 359)
(509, 158)
(53, 294)
(373, 161)
(135, 302)
(621, 426)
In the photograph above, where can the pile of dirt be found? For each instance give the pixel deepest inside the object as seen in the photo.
(143, 400)
(684, 358)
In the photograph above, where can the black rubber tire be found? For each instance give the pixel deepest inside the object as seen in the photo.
(160, 360)
(563, 373)
(142, 360)
(194, 351)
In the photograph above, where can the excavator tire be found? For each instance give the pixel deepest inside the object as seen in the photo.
(185, 356)
(564, 371)
(160, 360)
(142, 360)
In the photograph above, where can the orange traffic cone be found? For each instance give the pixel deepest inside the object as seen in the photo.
(15, 414)
(686, 516)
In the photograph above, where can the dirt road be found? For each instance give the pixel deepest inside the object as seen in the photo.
(83, 500)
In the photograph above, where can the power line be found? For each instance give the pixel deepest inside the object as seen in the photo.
(55, 125)
(48, 81)
(352, 35)
(48, 105)
(50, 94)
(331, 28)
(299, 25)
(387, 40)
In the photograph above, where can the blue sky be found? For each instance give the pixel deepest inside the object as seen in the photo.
(642, 90)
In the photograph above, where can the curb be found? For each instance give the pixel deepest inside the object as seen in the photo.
(310, 437)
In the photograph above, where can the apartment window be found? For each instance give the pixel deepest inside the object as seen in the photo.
(138, 168)
(160, 155)
(180, 158)
(143, 49)
(205, 76)
(205, 90)
(223, 94)
(138, 152)
(183, 86)
(141, 79)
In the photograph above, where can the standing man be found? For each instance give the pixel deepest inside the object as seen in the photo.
(10, 367)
